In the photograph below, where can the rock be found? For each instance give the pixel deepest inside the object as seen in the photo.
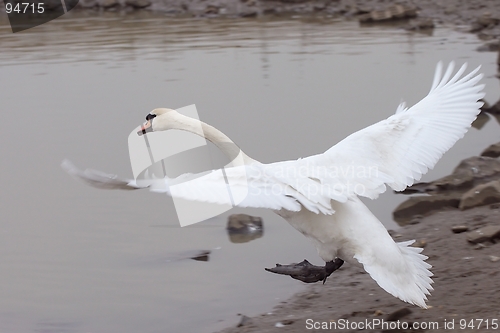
(494, 258)
(486, 20)
(489, 47)
(449, 191)
(87, 3)
(492, 151)
(451, 9)
(417, 25)
(481, 195)
(498, 62)
(421, 205)
(398, 314)
(138, 4)
(488, 233)
(245, 321)
(241, 223)
(243, 228)
(469, 173)
(201, 256)
(391, 13)
(249, 13)
(415, 220)
(107, 3)
(480, 246)
(481, 120)
(457, 229)
(394, 234)
(211, 10)
(420, 243)
(495, 108)
(495, 206)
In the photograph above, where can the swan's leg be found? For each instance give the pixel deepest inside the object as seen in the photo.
(332, 266)
(307, 272)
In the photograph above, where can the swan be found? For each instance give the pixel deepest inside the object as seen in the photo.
(319, 195)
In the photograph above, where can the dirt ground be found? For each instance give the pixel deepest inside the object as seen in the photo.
(466, 286)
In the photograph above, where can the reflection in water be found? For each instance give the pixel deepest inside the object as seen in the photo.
(282, 89)
(243, 228)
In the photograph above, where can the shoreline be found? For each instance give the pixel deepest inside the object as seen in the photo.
(466, 284)
(481, 16)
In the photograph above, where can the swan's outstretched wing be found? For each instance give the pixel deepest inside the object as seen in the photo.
(400, 149)
(256, 185)
(99, 179)
(396, 151)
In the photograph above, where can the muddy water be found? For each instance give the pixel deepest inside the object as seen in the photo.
(77, 259)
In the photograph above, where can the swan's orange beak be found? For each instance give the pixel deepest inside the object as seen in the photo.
(146, 128)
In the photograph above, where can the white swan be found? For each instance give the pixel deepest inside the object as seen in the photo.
(321, 200)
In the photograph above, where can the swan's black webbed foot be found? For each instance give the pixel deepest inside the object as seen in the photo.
(331, 267)
(307, 272)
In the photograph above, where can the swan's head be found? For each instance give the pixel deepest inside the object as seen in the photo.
(158, 120)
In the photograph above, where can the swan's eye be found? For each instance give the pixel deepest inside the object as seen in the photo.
(150, 116)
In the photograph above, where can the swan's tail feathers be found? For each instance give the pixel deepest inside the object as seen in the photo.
(99, 179)
(401, 270)
(420, 275)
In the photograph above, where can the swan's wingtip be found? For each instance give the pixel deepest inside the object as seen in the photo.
(69, 167)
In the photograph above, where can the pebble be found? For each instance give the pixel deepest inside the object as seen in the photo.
(494, 258)
(459, 229)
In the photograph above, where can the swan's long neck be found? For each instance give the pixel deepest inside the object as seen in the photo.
(219, 139)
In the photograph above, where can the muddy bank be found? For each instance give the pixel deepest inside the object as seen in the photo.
(466, 282)
(480, 16)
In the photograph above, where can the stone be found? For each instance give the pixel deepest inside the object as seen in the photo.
(489, 233)
(87, 3)
(107, 3)
(492, 151)
(494, 258)
(423, 205)
(495, 108)
(389, 14)
(249, 13)
(245, 321)
(486, 20)
(449, 190)
(457, 229)
(138, 4)
(201, 256)
(480, 246)
(420, 243)
(489, 47)
(470, 172)
(415, 220)
(398, 314)
(481, 195)
(243, 228)
(417, 25)
(241, 223)
(211, 10)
